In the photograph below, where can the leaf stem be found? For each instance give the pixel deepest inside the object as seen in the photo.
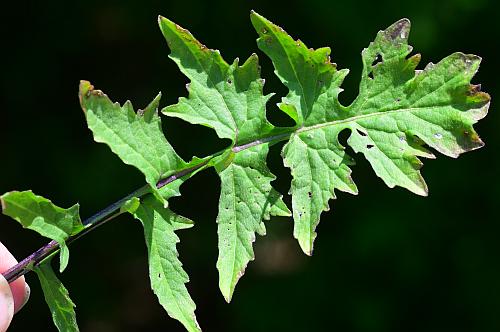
(91, 223)
(113, 210)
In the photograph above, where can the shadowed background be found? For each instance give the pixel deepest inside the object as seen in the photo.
(385, 260)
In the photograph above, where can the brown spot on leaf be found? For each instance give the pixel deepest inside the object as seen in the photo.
(475, 93)
(473, 89)
(399, 30)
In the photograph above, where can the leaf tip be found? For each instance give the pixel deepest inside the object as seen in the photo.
(83, 91)
(421, 191)
(307, 245)
(227, 296)
(162, 20)
(399, 29)
(227, 290)
(259, 22)
(253, 13)
(2, 203)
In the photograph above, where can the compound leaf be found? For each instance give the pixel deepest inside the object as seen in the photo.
(42, 216)
(397, 111)
(57, 298)
(229, 99)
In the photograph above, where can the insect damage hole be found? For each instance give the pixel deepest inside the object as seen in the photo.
(361, 133)
(376, 61)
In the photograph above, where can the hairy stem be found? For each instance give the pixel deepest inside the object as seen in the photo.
(113, 210)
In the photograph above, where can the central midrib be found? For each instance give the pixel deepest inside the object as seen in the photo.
(286, 135)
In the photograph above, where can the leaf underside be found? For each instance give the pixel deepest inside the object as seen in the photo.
(57, 298)
(229, 99)
(167, 277)
(42, 216)
(136, 137)
(399, 114)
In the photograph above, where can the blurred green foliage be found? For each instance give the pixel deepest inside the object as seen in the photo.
(385, 260)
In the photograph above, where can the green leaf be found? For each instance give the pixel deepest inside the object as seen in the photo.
(168, 279)
(229, 99)
(42, 216)
(225, 97)
(246, 198)
(137, 138)
(397, 111)
(131, 205)
(57, 298)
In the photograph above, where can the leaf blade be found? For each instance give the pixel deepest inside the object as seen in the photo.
(397, 110)
(247, 198)
(57, 298)
(229, 99)
(137, 138)
(167, 277)
(42, 216)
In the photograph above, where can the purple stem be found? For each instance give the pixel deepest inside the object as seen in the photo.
(91, 223)
(110, 212)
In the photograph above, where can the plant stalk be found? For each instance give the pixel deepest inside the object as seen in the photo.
(113, 210)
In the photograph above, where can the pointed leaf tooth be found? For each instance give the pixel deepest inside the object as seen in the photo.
(152, 109)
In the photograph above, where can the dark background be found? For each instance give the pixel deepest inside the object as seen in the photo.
(386, 260)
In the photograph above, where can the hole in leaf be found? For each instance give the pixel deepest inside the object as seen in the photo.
(343, 136)
(377, 60)
(309, 194)
(370, 75)
(369, 146)
(361, 133)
